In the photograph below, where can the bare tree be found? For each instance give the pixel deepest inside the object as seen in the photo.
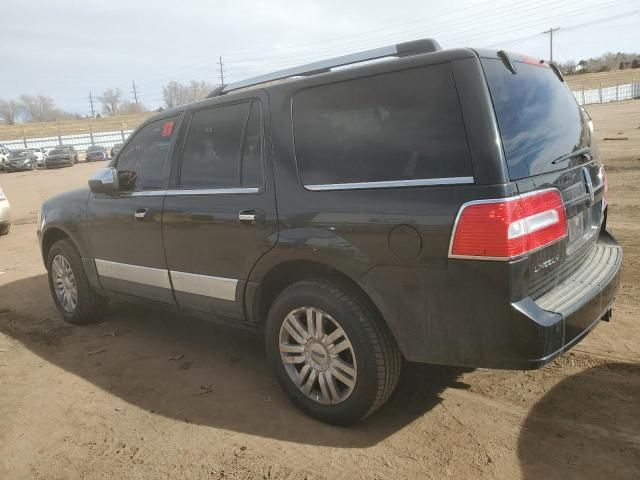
(199, 90)
(130, 108)
(40, 108)
(176, 94)
(9, 111)
(111, 100)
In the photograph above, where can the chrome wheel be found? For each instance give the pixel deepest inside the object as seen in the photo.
(64, 283)
(318, 355)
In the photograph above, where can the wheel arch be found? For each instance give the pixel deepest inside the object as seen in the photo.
(287, 273)
(52, 235)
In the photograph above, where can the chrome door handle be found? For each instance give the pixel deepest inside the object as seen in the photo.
(247, 216)
(141, 213)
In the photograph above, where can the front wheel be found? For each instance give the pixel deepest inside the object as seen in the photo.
(330, 351)
(72, 294)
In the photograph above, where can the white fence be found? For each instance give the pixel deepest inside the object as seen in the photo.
(80, 142)
(617, 93)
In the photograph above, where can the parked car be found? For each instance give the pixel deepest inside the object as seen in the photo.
(21, 159)
(72, 150)
(444, 207)
(5, 214)
(4, 155)
(115, 149)
(96, 152)
(40, 156)
(60, 157)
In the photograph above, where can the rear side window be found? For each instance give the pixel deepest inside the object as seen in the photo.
(223, 148)
(397, 126)
(143, 164)
(539, 119)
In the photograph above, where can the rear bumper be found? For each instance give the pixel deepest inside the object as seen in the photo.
(577, 304)
(462, 315)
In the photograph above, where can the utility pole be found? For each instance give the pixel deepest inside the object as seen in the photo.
(221, 71)
(550, 32)
(135, 92)
(93, 113)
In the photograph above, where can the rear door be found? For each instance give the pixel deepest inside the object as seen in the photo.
(547, 144)
(221, 216)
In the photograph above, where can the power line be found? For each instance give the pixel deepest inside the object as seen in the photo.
(221, 71)
(550, 32)
(135, 93)
(571, 28)
(513, 27)
(93, 113)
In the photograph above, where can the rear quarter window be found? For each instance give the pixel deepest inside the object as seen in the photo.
(404, 125)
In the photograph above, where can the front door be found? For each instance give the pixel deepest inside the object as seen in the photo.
(125, 228)
(221, 216)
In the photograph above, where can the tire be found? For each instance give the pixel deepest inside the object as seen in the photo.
(372, 353)
(5, 229)
(89, 306)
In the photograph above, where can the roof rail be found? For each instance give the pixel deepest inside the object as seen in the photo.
(406, 49)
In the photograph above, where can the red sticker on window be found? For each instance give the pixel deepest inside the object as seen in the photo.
(167, 129)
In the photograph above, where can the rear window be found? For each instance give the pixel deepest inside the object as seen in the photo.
(540, 121)
(403, 125)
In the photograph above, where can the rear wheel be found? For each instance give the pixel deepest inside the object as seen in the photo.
(331, 352)
(4, 229)
(74, 297)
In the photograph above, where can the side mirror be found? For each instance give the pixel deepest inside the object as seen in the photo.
(104, 180)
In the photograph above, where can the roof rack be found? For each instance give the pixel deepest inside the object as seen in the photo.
(406, 49)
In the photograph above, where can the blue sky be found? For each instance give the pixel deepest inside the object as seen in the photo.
(67, 48)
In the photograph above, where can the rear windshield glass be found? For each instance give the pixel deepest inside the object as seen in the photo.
(539, 119)
(404, 125)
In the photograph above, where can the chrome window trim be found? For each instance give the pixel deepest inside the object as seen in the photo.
(422, 182)
(494, 200)
(156, 277)
(205, 285)
(213, 191)
(195, 191)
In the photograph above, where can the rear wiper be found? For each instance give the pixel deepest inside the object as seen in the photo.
(576, 153)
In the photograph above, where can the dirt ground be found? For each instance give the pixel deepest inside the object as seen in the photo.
(150, 395)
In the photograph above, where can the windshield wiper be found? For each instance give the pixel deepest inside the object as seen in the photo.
(585, 151)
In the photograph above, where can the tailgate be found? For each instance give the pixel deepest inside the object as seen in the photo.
(547, 144)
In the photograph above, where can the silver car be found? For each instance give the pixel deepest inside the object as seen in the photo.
(5, 214)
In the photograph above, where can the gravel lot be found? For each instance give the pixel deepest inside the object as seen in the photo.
(151, 395)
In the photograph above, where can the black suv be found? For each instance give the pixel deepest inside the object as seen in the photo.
(446, 206)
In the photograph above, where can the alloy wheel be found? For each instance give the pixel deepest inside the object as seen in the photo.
(64, 283)
(318, 355)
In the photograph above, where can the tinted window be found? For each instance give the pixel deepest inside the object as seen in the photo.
(143, 164)
(397, 126)
(539, 119)
(215, 155)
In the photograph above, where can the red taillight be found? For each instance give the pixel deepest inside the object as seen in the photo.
(506, 228)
